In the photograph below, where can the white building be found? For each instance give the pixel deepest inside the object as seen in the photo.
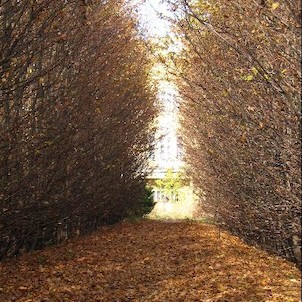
(168, 150)
(179, 202)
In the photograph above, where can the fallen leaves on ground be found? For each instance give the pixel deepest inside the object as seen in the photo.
(150, 261)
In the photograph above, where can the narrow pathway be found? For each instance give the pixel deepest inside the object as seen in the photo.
(150, 261)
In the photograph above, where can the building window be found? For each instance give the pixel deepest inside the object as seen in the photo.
(162, 151)
(179, 150)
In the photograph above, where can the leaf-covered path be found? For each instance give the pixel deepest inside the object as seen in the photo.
(150, 261)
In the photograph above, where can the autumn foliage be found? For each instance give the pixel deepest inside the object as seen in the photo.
(76, 108)
(151, 261)
(239, 77)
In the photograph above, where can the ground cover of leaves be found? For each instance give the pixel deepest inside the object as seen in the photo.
(150, 261)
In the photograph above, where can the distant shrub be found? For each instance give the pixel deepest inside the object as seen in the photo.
(147, 203)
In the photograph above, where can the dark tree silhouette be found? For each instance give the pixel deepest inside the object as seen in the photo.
(76, 113)
(239, 76)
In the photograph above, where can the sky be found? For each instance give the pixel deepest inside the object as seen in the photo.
(150, 19)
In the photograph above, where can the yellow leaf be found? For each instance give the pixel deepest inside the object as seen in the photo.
(254, 70)
(221, 287)
(263, 282)
(243, 137)
(225, 93)
(275, 5)
(248, 77)
(267, 77)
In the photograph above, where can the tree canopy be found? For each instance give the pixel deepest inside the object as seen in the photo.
(239, 77)
(76, 115)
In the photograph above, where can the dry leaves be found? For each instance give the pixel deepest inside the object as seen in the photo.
(150, 261)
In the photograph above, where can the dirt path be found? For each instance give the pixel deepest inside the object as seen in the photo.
(150, 261)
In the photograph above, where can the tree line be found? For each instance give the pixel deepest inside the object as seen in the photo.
(76, 115)
(239, 78)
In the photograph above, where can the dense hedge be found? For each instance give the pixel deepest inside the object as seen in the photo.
(76, 113)
(239, 76)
